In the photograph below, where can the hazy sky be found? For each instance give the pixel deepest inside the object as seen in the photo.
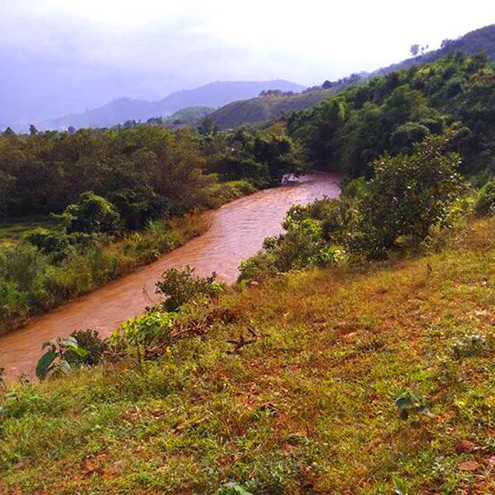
(60, 56)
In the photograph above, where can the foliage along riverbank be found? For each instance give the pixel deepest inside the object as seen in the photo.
(332, 374)
(120, 198)
(306, 405)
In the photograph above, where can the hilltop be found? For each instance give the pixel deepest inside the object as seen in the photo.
(482, 39)
(264, 108)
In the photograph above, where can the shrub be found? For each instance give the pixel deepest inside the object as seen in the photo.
(92, 343)
(49, 242)
(485, 199)
(408, 195)
(181, 287)
(22, 264)
(149, 329)
(92, 214)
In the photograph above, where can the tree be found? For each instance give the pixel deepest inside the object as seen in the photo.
(414, 50)
(327, 85)
(92, 214)
(32, 130)
(7, 183)
(409, 195)
(207, 127)
(446, 43)
(9, 132)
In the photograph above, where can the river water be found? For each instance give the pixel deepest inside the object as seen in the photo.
(236, 232)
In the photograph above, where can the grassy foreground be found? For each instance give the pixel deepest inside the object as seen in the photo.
(306, 407)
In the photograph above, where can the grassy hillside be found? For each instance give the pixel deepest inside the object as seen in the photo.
(264, 108)
(189, 115)
(306, 406)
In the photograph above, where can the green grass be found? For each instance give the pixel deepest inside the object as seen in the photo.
(308, 407)
(262, 109)
(12, 231)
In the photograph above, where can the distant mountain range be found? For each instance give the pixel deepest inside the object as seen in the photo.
(215, 94)
(239, 103)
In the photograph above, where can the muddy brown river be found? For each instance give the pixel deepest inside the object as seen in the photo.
(236, 232)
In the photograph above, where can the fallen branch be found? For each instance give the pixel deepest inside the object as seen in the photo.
(238, 344)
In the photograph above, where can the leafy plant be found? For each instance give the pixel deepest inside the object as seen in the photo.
(485, 199)
(50, 242)
(468, 345)
(411, 403)
(90, 341)
(182, 286)
(92, 214)
(138, 335)
(145, 330)
(57, 356)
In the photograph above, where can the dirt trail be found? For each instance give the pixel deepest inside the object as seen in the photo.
(236, 232)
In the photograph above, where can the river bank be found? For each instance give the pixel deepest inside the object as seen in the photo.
(236, 232)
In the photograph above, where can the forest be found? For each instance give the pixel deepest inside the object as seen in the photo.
(392, 112)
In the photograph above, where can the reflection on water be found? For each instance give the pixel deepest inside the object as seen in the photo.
(236, 232)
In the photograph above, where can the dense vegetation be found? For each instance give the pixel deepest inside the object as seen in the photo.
(390, 113)
(120, 198)
(354, 355)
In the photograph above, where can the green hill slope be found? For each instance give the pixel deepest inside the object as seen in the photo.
(264, 108)
(306, 406)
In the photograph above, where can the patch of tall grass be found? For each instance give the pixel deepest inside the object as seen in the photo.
(30, 284)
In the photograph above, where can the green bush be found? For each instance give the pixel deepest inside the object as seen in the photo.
(146, 330)
(485, 199)
(92, 214)
(92, 343)
(408, 195)
(22, 264)
(50, 242)
(182, 286)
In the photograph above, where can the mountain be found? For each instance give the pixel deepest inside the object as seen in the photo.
(215, 94)
(482, 39)
(265, 108)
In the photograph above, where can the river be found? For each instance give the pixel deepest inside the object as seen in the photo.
(236, 232)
